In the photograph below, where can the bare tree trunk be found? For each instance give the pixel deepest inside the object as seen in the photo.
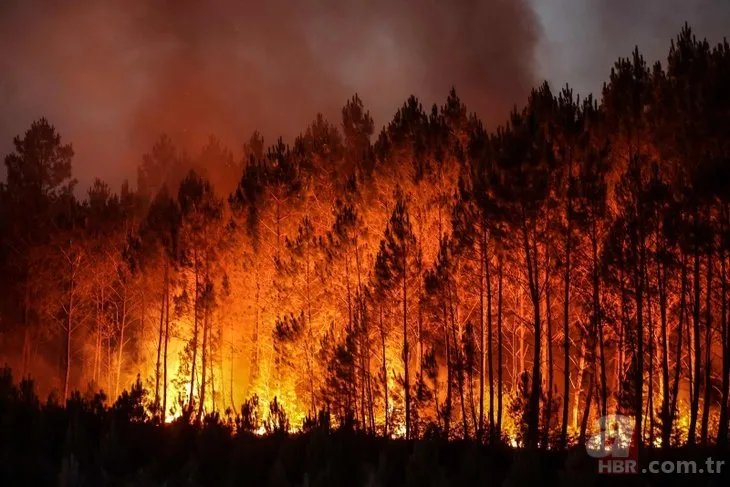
(69, 325)
(587, 410)
(406, 377)
(385, 373)
(26, 328)
(254, 364)
(97, 335)
(579, 383)
(498, 431)
(678, 357)
(535, 393)
(366, 332)
(120, 350)
(167, 340)
(708, 353)
(490, 342)
(204, 360)
(69, 328)
(651, 353)
(666, 418)
(234, 408)
(213, 347)
(449, 372)
(550, 371)
(566, 334)
(598, 317)
(623, 327)
(310, 338)
(482, 273)
(195, 334)
(158, 367)
(695, 399)
(722, 427)
(639, 300)
(459, 364)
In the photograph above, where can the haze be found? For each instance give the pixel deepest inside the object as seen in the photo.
(112, 75)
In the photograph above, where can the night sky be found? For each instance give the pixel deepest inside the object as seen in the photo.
(112, 75)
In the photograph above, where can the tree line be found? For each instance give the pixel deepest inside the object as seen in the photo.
(439, 278)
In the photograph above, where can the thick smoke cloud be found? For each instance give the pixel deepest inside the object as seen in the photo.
(112, 75)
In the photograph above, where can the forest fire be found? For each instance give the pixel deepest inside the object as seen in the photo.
(439, 281)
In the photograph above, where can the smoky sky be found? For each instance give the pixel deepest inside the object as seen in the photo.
(114, 74)
(583, 39)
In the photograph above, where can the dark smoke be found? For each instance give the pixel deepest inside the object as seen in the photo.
(112, 75)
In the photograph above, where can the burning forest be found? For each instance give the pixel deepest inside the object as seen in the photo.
(503, 285)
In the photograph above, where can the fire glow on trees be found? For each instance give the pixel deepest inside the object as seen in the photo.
(515, 284)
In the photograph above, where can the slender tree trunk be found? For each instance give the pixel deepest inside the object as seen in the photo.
(708, 353)
(385, 374)
(651, 353)
(534, 400)
(472, 406)
(366, 332)
(69, 328)
(598, 317)
(722, 427)
(566, 326)
(498, 430)
(680, 325)
(253, 374)
(109, 362)
(406, 377)
(490, 341)
(666, 418)
(349, 296)
(69, 331)
(167, 340)
(449, 372)
(690, 345)
(587, 410)
(97, 337)
(482, 273)
(580, 372)
(550, 371)
(195, 334)
(26, 328)
(695, 401)
(122, 327)
(459, 358)
(213, 347)
(158, 368)
(623, 327)
(639, 299)
(203, 360)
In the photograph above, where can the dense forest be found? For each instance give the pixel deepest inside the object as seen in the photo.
(438, 279)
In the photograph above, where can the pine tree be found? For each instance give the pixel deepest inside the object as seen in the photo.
(525, 165)
(201, 235)
(397, 270)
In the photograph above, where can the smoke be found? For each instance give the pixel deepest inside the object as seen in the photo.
(652, 25)
(113, 75)
(582, 40)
